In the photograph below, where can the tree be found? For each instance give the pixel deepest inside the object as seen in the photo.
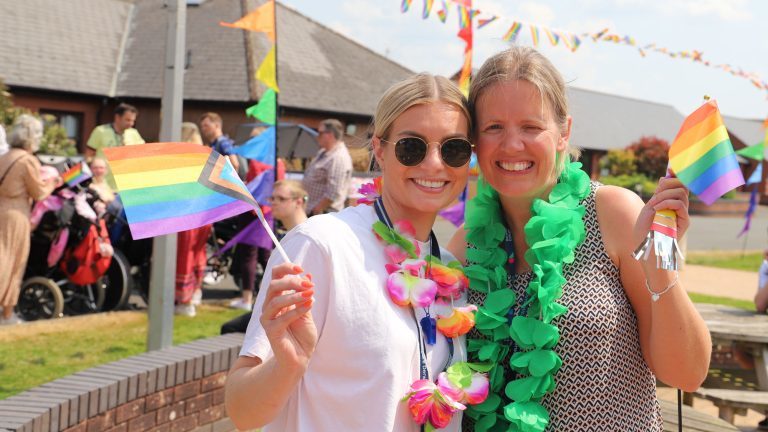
(651, 156)
(619, 162)
(54, 141)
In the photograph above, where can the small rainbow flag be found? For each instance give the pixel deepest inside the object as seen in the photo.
(463, 17)
(405, 5)
(172, 187)
(511, 34)
(702, 156)
(443, 15)
(427, 8)
(485, 21)
(535, 35)
(554, 39)
(77, 174)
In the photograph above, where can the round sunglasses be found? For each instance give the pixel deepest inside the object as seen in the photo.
(411, 151)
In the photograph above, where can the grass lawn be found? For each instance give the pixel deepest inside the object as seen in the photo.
(728, 260)
(725, 301)
(38, 352)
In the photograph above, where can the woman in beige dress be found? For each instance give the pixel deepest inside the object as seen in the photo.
(20, 184)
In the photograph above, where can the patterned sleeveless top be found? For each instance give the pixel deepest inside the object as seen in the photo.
(604, 383)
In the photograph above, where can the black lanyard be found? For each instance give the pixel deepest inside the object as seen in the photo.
(381, 212)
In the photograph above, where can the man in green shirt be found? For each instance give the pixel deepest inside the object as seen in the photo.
(118, 133)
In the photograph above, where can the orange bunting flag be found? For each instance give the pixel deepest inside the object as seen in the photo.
(262, 19)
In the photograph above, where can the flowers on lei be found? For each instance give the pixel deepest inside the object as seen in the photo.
(370, 191)
(552, 234)
(433, 404)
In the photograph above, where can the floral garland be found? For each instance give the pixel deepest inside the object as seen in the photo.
(554, 231)
(432, 404)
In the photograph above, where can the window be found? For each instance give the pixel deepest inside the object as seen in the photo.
(72, 122)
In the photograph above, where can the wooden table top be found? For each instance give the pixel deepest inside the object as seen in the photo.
(732, 324)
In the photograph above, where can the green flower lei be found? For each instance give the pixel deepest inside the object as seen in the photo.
(554, 231)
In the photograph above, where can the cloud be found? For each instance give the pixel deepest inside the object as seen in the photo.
(537, 13)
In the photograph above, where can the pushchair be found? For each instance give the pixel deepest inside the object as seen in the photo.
(72, 268)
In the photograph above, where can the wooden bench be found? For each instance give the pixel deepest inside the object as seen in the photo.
(732, 402)
(693, 421)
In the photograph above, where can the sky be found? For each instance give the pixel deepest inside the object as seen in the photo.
(733, 32)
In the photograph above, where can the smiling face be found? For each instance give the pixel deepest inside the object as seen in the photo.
(431, 185)
(518, 139)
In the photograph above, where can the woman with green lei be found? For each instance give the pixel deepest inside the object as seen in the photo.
(576, 328)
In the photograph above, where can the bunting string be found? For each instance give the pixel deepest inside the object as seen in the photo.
(572, 40)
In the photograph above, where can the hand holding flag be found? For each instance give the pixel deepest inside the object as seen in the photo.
(702, 158)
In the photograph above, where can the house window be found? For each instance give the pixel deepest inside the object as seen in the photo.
(72, 122)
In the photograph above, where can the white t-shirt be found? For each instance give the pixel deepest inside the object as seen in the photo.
(763, 275)
(367, 352)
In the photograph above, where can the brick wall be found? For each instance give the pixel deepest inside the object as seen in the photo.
(175, 390)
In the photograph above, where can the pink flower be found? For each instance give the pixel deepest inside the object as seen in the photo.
(474, 394)
(426, 402)
(370, 191)
(405, 289)
(459, 322)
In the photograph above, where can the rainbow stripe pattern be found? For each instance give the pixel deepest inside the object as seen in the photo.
(427, 8)
(172, 187)
(511, 34)
(77, 174)
(405, 5)
(535, 36)
(702, 156)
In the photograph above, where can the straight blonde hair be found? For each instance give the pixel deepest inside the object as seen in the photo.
(418, 89)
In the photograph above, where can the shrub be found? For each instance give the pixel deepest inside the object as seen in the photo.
(619, 162)
(650, 156)
(637, 183)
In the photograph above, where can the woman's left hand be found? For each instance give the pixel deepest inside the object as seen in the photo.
(670, 195)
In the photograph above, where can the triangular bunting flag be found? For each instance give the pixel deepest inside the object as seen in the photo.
(262, 19)
(267, 72)
(265, 110)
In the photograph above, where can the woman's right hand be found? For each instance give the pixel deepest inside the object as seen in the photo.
(286, 316)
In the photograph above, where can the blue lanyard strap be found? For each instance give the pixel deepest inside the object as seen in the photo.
(381, 212)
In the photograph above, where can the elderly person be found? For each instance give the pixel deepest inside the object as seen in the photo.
(20, 183)
(328, 176)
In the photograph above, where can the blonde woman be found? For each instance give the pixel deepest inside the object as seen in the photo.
(613, 325)
(336, 352)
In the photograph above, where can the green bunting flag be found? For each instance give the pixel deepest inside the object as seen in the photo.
(755, 152)
(265, 109)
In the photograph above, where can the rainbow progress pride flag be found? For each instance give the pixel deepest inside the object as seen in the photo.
(702, 156)
(172, 187)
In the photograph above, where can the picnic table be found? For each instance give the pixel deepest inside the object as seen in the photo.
(693, 421)
(746, 331)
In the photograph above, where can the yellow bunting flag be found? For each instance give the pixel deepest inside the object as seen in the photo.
(267, 72)
(262, 19)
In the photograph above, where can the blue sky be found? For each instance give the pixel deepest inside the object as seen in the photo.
(726, 31)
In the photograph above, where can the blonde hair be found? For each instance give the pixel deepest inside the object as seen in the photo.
(190, 133)
(526, 64)
(418, 89)
(294, 188)
(26, 133)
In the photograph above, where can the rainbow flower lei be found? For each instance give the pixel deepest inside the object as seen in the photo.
(433, 404)
(554, 231)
